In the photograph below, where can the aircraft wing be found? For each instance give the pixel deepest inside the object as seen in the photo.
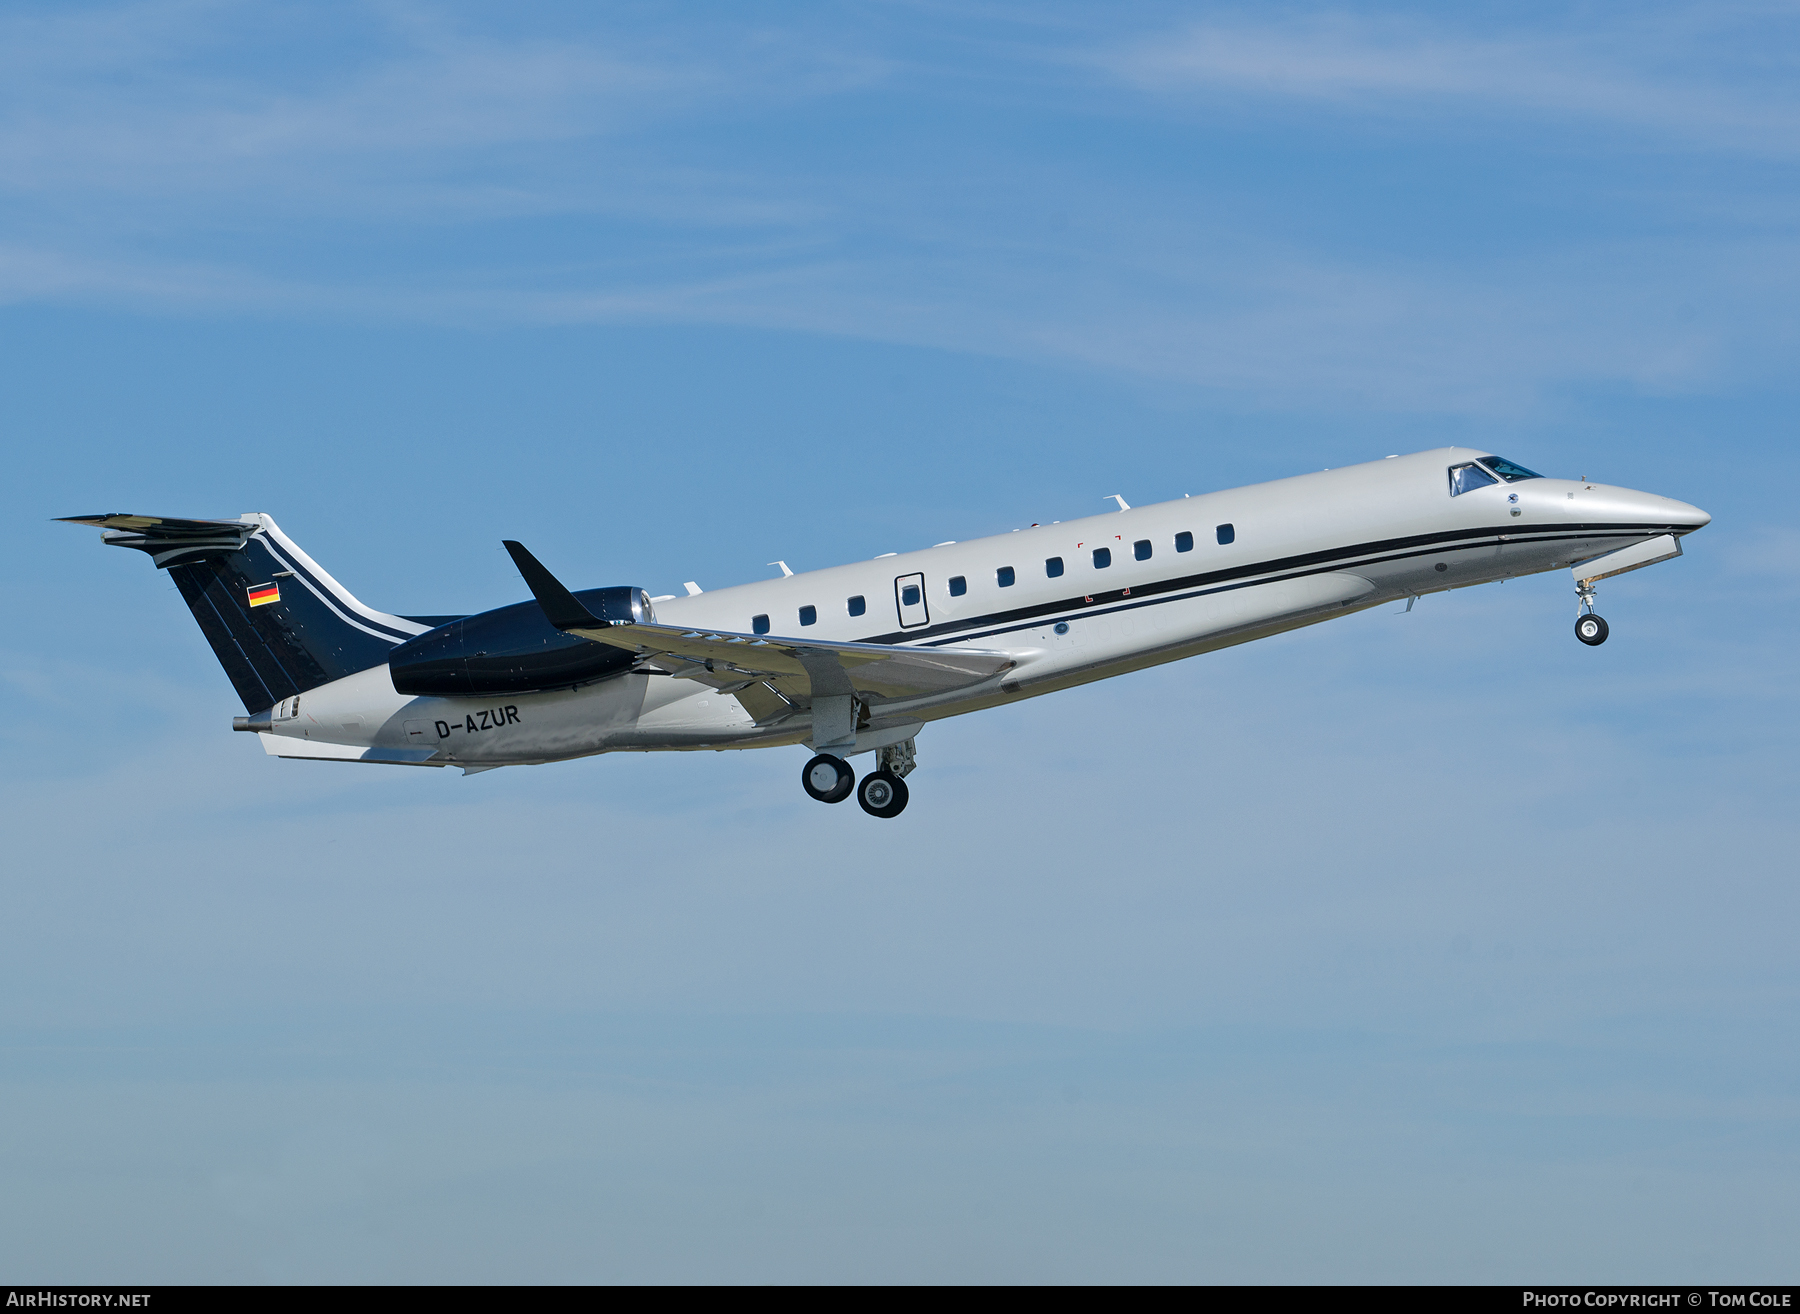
(797, 666)
(797, 669)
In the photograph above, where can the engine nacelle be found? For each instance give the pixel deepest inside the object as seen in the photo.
(515, 649)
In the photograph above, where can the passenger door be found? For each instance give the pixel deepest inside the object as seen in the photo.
(909, 597)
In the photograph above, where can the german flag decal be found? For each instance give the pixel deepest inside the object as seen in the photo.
(261, 595)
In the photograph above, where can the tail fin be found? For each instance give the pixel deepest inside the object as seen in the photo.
(278, 624)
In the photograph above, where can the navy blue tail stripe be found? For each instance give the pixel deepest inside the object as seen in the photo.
(332, 598)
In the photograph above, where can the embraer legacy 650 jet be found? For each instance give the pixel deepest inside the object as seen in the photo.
(858, 658)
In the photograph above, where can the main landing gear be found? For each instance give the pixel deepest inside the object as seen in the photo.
(882, 792)
(828, 779)
(1589, 628)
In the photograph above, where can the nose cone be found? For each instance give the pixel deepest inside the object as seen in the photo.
(1628, 506)
(1683, 517)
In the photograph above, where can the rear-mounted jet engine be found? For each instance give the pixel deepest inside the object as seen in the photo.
(515, 650)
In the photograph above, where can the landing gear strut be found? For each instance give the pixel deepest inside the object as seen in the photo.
(898, 759)
(1589, 628)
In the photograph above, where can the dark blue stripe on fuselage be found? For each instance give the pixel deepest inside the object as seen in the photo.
(1179, 588)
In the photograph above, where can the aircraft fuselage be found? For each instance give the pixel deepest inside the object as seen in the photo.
(1067, 602)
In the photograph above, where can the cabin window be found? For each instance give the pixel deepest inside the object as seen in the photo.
(1141, 549)
(1102, 558)
(857, 605)
(1052, 566)
(1467, 478)
(958, 586)
(1004, 577)
(760, 624)
(909, 595)
(1226, 533)
(1184, 542)
(809, 615)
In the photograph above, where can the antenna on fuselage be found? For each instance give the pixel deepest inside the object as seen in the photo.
(1123, 505)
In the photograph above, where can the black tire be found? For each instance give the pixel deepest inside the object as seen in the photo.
(882, 794)
(843, 781)
(1591, 630)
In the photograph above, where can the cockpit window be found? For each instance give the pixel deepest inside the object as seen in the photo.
(1507, 470)
(1467, 478)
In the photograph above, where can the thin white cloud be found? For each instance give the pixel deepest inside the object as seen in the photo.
(1641, 76)
(1255, 319)
(150, 159)
(152, 101)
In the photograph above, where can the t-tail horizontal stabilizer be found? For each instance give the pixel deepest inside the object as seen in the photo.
(276, 620)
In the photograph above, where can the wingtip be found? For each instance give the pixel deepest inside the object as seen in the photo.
(560, 607)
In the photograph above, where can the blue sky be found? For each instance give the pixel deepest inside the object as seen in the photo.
(1423, 947)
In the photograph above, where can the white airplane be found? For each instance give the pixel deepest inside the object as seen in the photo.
(857, 659)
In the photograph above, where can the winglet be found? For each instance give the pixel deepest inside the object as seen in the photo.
(561, 607)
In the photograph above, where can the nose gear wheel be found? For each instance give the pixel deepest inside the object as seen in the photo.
(1589, 628)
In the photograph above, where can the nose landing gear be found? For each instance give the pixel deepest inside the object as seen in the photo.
(1589, 628)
